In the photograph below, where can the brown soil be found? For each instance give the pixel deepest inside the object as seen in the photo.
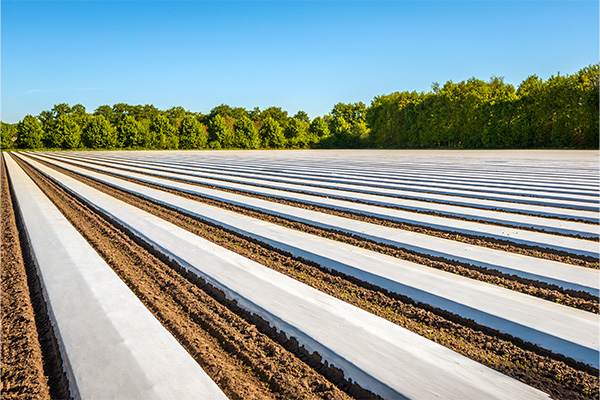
(504, 245)
(245, 363)
(571, 298)
(227, 179)
(31, 365)
(563, 378)
(497, 244)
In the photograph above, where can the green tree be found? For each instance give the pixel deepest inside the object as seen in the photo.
(359, 135)
(99, 134)
(120, 111)
(49, 119)
(254, 114)
(586, 83)
(351, 112)
(340, 132)
(245, 134)
(318, 130)
(79, 114)
(302, 116)
(147, 111)
(527, 117)
(163, 134)
(107, 112)
(387, 119)
(296, 134)
(45, 116)
(8, 131)
(220, 134)
(29, 133)
(227, 111)
(271, 134)
(202, 136)
(561, 112)
(175, 116)
(61, 109)
(131, 133)
(191, 134)
(64, 133)
(280, 116)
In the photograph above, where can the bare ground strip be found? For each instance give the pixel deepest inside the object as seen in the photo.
(243, 361)
(576, 299)
(497, 244)
(559, 376)
(31, 364)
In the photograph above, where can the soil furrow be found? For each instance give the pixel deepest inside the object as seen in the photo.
(576, 299)
(244, 362)
(22, 364)
(433, 213)
(31, 363)
(498, 244)
(562, 377)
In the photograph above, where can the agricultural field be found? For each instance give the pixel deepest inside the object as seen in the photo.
(300, 274)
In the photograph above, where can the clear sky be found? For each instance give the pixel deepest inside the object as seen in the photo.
(306, 55)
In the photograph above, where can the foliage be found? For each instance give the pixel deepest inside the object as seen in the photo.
(271, 134)
(280, 116)
(302, 117)
(226, 111)
(318, 130)
(29, 133)
(245, 134)
(8, 133)
(220, 135)
(561, 112)
(296, 134)
(343, 134)
(163, 134)
(351, 113)
(131, 134)
(175, 115)
(99, 134)
(63, 133)
(192, 134)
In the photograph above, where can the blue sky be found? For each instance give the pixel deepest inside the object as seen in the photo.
(305, 55)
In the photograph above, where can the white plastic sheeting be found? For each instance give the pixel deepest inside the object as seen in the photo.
(561, 329)
(554, 242)
(529, 195)
(112, 346)
(379, 355)
(589, 213)
(371, 176)
(249, 183)
(564, 275)
(548, 169)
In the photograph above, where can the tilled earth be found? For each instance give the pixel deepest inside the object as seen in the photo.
(245, 357)
(244, 362)
(497, 244)
(30, 361)
(577, 299)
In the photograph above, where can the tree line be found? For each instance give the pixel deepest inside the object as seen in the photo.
(561, 112)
